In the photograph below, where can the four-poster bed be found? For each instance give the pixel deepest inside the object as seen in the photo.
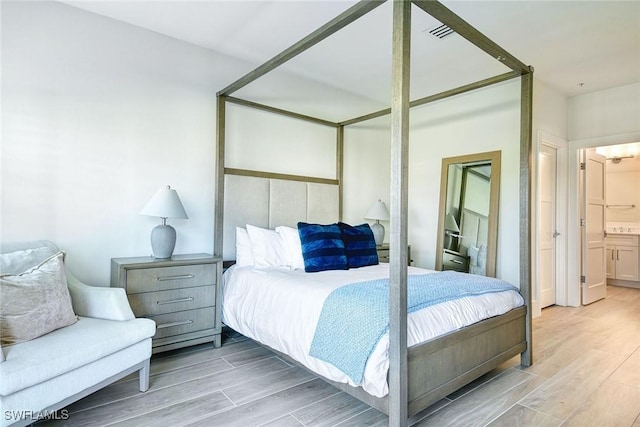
(420, 375)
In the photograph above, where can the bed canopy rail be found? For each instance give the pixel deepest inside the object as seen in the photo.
(262, 107)
(398, 402)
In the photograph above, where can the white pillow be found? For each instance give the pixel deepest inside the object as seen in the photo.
(473, 255)
(292, 244)
(482, 256)
(267, 247)
(244, 255)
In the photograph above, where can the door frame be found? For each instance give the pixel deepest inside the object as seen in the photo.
(572, 284)
(561, 147)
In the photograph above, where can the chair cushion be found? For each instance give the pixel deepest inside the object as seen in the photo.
(35, 302)
(68, 348)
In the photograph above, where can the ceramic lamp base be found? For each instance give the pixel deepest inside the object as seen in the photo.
(163, 241)
(378, 233)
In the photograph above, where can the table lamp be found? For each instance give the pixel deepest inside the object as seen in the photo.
(379, 212)
(164, 204)
(451, 232)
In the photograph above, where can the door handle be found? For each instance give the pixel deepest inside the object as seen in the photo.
(555, 233)
(617, 254)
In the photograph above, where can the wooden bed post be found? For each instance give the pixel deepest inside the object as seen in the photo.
(526, 113)
(398, 365)
(219, 185)
(340, 166)
(440, 357)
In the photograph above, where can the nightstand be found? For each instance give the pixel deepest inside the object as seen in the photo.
(181, 294)
(383, 253)
(452, 260)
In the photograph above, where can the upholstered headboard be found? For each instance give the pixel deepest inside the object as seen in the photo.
(475, 228)
(270, 202)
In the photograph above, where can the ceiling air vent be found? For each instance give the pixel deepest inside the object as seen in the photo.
(441, 31)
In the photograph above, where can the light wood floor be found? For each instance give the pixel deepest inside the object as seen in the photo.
(586, 372)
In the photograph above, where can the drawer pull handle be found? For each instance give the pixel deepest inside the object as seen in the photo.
(183, 276)
(169, 325)
(173, 301)
(455, 261)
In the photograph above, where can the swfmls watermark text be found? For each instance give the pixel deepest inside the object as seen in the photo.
(16, 415)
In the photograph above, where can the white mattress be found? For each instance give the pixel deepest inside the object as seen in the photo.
(280, 308)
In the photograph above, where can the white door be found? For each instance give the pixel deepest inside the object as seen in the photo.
(547, 229)
(594, 271)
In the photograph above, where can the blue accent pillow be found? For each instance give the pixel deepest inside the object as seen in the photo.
(359, 244)
(322, 247)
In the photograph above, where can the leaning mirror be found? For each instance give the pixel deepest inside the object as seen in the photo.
(468, 217)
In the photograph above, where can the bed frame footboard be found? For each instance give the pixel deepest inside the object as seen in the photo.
(441, 366)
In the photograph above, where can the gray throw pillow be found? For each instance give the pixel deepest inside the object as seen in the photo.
(35, 302)
(20, 261)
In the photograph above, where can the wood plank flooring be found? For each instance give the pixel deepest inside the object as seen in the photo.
(586, 372)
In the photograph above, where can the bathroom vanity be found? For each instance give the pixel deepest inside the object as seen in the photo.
(623, 256)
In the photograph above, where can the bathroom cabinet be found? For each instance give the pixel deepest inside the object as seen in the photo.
(622, 257)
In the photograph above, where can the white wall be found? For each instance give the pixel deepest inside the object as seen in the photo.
(484, 120)
(607, 117)
(549, 111)
(609, 112)
(549, 128)
(623, 188)
(96, 116)
(263, 141)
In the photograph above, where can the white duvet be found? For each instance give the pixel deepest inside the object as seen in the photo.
(280, 308)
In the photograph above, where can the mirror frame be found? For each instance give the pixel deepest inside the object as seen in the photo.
(494, 200)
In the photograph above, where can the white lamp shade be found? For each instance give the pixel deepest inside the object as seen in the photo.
(378, 211)
(165, 204)
(450, 223)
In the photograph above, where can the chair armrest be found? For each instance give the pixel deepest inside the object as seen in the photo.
(98, 302)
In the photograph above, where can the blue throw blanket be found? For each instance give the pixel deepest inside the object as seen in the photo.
(354, 317)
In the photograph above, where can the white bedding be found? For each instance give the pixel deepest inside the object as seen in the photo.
(280, 308)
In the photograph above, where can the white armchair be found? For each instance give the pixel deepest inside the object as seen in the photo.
(45, 374)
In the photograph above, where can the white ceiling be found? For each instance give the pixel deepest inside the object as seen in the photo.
(575, 46)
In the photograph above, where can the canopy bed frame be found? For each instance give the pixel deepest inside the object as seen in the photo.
(422, 374)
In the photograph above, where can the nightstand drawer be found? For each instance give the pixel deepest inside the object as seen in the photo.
(455, 262)
(183, 322)
(383, 253)
(165, 278)
(153, 303)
